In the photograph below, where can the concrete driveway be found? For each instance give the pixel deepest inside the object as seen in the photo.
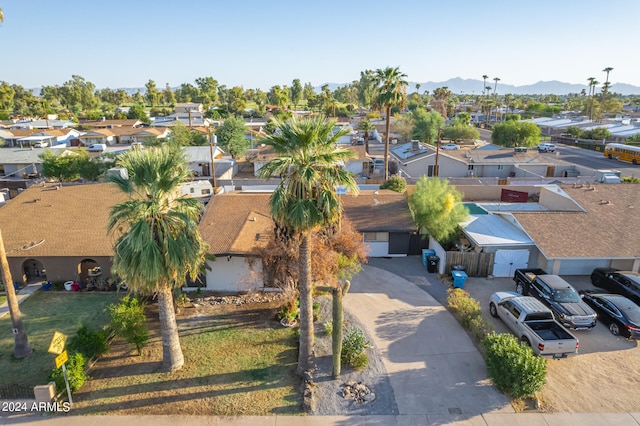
(433, 366)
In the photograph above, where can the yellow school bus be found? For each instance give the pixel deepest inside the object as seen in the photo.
(618, 151)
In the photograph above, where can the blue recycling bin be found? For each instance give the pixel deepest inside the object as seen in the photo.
(425, 254)
(459, 277)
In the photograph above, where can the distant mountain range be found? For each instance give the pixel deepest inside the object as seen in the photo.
(470, 86)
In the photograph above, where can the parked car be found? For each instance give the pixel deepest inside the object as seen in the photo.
(565, 302)
(626, 283)
(97, 147)
(450, 147)
(619, 313)
(40, 144)
(533, 324)
(546, 147)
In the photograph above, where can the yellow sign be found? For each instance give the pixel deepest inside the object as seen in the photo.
(57, 343)
(62, 358)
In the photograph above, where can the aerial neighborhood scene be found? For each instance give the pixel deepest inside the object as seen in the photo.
(277, 219)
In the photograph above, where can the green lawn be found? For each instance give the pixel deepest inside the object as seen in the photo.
(43, 313)
(3, 299)
(232, 367)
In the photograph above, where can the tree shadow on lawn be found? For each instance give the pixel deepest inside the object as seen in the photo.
(155, 397)
(253, 318)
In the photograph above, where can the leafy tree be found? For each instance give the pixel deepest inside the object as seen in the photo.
(237, 101)
(208, 92)
(306, 198)
(391, 90)
(512, 117)
(128, 321)
(260, 98)
(136, 111)
(188, 93)
(458, 132)
(6, 96)
(296, 92)
(437, 207)
(426, 125)
(598, 134)
(158, 242)
(231, 136)
(78, 91)
(440, 99)
(395, 183)
(152, 95)
(516, 133)
(61, 168)
(168, 97)
(574, 131)
(634, 138)
(366, 88)
(181, 135)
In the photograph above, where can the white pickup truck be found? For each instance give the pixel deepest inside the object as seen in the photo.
(533, 323)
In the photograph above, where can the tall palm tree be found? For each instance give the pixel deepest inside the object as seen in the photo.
(21, 348)
(309, 164)
(366, 126)
(391, 89)
(589, 106)
(484, 83)
(158, 243)
(605, 86)
(486, 101)
(495, 94)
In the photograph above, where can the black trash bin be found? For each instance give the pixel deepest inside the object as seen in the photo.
(432, 263)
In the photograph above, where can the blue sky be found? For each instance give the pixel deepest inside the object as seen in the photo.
(254, 43)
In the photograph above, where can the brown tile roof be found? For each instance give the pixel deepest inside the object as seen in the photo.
(235, 223)
(97, 124)
(608, 229)
(381, 210)
(24, 133)
(228, 224)
(98, 133)
(72, 220)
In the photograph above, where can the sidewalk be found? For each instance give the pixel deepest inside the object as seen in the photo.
(23, 293)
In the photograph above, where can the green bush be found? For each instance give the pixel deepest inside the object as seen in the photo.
(88, 342)
(513, 366)
(129, 322)
(354, 343)
(395, 183)
(463, 306)
(327, 327)
(289, 311)
(75, 373)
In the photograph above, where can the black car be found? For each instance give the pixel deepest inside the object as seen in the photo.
(568, 309)
(620, 313)
(626, 283)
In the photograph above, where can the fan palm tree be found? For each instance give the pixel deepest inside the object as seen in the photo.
(309, 164)
(605, 86)
(158, 243)
(391, 89)
(21, 348)
(366, 126)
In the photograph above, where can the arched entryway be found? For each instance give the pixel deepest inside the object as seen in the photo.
(33, 270)
(88, 269)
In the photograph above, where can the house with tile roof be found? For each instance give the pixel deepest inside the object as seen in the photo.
(236, 223)
(59, 232)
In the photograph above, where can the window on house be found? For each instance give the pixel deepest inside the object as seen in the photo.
(470, 167)
(500, 167)
(205, 191)
(192, 190)
(375, 236)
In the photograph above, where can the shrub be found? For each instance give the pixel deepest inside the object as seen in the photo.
(395, 183)
(513, 366)
(128, 321)
(289, 311)
(463, 306)
(327, 327)
(88, 342)
(75, 373)
(353, 345)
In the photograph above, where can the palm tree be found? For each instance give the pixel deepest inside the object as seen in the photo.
(495, 94)
(158, 243)
(309, 164)
(484, 83)
(589, 107)
(21, 348)
(390, 90)
(605, 86)
(486, 117)
(366, 125)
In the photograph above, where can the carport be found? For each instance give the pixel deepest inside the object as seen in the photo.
(491, 233)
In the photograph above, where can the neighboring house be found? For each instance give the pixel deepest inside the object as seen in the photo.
(105, 136)
(24, 138)
(110, 124)
(41, 124)
(48, 231)
(199, 159)
(570, 230)
(236, 223)
(129, 135)
(417, 159)
(16, 162)
(189, 106)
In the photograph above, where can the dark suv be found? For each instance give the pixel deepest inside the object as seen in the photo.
(626, 283)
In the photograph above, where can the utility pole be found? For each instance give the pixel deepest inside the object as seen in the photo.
(437, 170)
(211, 151)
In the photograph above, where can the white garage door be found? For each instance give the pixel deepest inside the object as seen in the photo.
(505, 262)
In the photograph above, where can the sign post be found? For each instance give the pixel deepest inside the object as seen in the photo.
(57, 347)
